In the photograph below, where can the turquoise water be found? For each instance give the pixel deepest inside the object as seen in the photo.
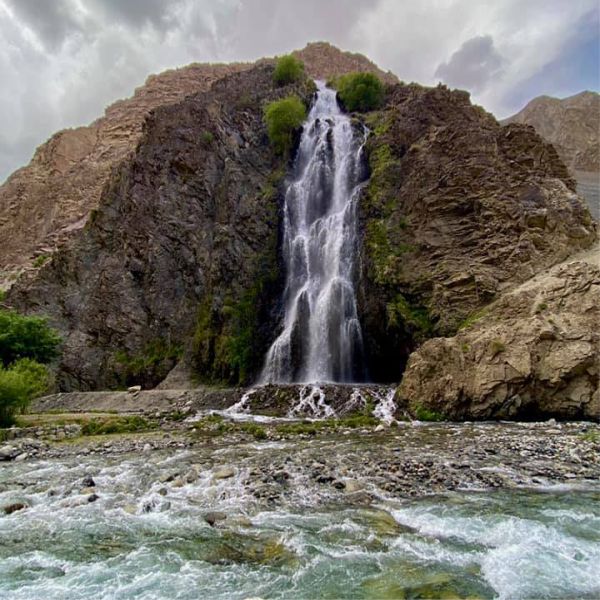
(134, 542)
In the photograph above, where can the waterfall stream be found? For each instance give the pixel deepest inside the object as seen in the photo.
(321, 338)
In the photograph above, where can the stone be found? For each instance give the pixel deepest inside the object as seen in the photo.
(224, 473)
(134, 389)
(22, 456)
(14, 507)
(501, 367)
(352, 485)
(8, 452)
(379, 428)
(88, 481)
(92, 498)
(191, 476)
(214, 517)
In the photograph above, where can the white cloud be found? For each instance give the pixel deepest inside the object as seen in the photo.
(63, 61)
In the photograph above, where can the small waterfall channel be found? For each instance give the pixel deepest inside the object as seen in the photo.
(321, 338)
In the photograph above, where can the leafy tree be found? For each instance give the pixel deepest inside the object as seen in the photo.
(19, 384)
(25, 342)
(26, 337)
(283, 117)
(359, 91)
(288, 70)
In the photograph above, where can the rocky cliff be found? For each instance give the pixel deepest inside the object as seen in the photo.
(533, 353)
(180, 256)
(184, 228)
(458, 208)
(44, 203)
(570, 124)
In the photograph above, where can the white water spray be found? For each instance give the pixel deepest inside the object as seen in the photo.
(321, 340)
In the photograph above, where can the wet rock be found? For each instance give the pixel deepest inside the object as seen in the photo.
(14, 507)
(92, 498)
(8, 452)
(162, 491)
(224, 473)
(191, 476)
(88, 481)
(22, 456)
(214, 517)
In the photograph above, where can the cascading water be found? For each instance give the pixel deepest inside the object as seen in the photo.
(321, 338)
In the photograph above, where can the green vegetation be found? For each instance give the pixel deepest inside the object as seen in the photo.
(424, 414)
(150, 365)
(25, 343)
(40, 260)
(229, 343)
(128, 424)
(283, 118)
(541, 307)
(591, 436)
(359, 91)
(472, 318)
(288, 70)
(414, 319)
(207, 138)
(26, 337)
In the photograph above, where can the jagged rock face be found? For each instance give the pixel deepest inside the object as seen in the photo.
(570, 124)
(534, 353)
(185, 222)
(458, 208)
(45, 203)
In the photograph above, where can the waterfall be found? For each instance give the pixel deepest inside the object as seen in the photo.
(321, 338)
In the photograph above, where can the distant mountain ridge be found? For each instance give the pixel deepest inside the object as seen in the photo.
(570, 124)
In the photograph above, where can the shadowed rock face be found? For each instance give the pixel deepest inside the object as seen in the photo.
(43, 204)
(533, 353)
(185, 222)
(458, 208)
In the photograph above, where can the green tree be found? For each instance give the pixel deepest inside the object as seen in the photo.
(288, 70)
(26, 337)
(19, 384)
(359, 91)
(283, 118)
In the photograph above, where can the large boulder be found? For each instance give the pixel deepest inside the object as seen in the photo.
(534, 353)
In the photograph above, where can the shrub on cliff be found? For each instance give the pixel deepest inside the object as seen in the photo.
(288, 70)
(26, 337)
(359, 91)
(19, 384)
(283, 118)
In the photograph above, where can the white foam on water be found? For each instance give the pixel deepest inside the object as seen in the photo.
(311, 403)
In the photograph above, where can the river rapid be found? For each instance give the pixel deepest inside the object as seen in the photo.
(418, 511)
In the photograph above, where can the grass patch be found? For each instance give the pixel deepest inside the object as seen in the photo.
(40, 260)
(425, 414)
(472, 318)
(591, 436)
(129, 424)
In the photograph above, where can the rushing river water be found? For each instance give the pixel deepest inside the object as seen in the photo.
(146, 536)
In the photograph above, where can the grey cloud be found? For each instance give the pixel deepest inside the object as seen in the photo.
(51, 20)
(136, 12)
(473, 65)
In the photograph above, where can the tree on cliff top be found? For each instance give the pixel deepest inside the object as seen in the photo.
(283, 117)
(359, 91)
(288, 70)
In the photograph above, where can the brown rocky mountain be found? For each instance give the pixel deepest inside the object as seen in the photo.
(45, 202)
(571, 124)
(180, 259)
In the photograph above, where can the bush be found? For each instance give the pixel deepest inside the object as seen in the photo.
(359, 91)
(288, 70)
(26, 337)
(283, 117)
(19, 384)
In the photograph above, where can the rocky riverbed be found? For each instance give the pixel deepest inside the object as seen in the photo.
(211, 508)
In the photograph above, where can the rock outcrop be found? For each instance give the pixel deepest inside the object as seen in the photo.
(458, 209)
(534, 353)
(43, 204)
(570, 124)
(182, 245)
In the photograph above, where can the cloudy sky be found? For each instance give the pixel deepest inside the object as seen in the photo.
(63, 61)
